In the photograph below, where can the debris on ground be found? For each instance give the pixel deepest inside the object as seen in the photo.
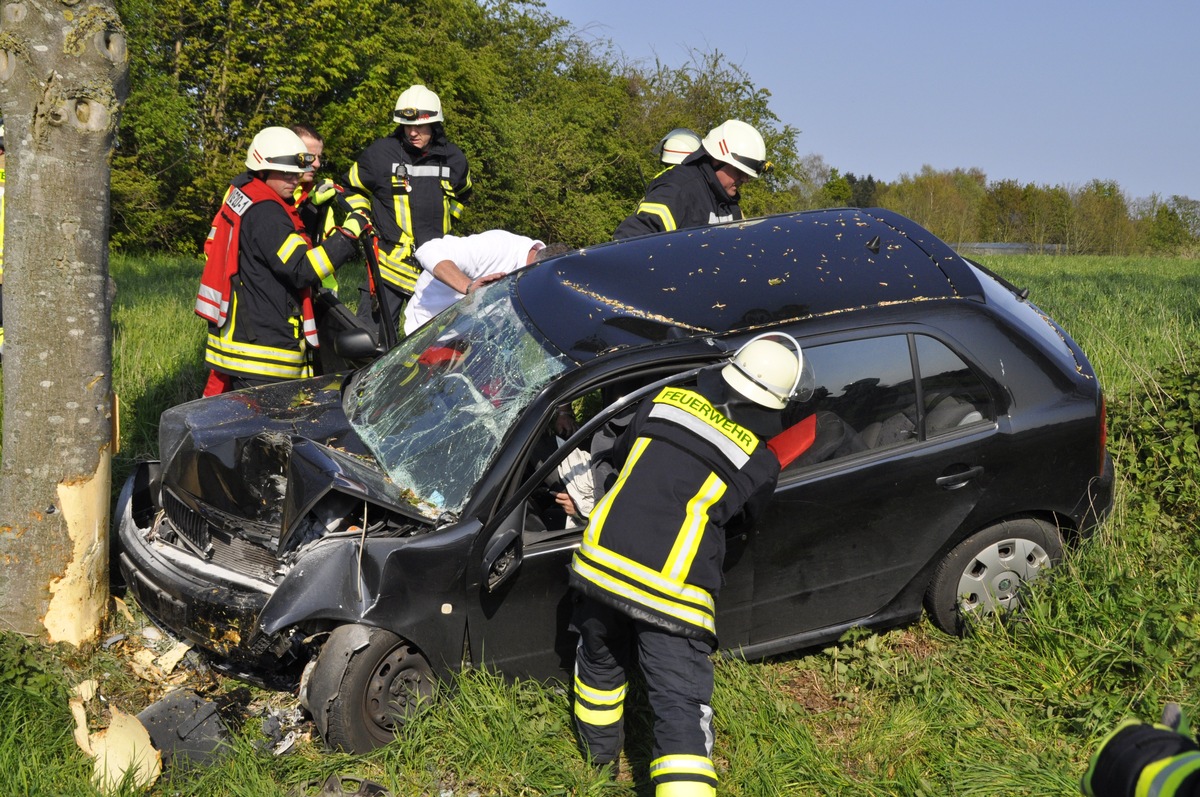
(123, 747)
(282, 728)
(187, 729)
(342, 786)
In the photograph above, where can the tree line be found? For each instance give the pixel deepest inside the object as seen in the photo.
(559, 130)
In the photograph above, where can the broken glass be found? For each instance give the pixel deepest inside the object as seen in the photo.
(435, 409)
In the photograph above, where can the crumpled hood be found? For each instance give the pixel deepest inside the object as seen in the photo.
(232, 450)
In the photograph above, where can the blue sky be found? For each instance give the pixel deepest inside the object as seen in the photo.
(1040, 91)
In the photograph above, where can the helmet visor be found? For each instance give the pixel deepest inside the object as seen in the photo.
(759, 167)
(301, 160)
(413, 115)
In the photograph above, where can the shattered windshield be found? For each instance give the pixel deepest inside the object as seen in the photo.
(434, 409)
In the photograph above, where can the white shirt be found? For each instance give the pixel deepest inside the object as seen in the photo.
(480, 255)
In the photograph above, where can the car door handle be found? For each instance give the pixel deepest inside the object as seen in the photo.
(953, 481)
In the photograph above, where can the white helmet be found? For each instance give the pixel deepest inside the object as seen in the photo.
(739, 145)
(769, 373)
(677, 145)
(278, 149)
(417, 105)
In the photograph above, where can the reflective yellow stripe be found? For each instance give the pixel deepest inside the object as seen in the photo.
(356, 181)
(223, 352)
(289, 246)
(695, 765)
(699, 408)
(683, 552)
(600, 512)
(685, 614)
(599, 697)
(1163, 778)
(684, 788)
(599, 716)
(320, 262)
(661, 211)
(640, 575)
(397, 271)
(403, 211)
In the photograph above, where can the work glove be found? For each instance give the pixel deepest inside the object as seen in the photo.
(324, 192)
(356, 224)
(1119, 766)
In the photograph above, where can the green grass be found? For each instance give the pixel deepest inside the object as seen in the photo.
(1014, 709)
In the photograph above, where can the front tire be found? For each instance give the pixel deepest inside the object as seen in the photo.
(984, 573)
(365, 684)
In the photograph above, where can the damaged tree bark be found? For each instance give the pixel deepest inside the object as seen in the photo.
(63, 78)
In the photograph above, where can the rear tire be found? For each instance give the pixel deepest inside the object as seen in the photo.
(365, 684)
(984, 573)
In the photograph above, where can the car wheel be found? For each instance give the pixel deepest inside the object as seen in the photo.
(364, 685)
(984, 573)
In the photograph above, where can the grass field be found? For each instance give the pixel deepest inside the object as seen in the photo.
(1015, 709)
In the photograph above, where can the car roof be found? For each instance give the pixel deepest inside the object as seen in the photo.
(738, 276)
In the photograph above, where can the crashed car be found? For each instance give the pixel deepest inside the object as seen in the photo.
(364, 535)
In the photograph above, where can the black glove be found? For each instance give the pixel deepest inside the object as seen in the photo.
(1123, 756)
(356, 224)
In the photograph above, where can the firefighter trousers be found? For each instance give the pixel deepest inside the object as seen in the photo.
(678, 673)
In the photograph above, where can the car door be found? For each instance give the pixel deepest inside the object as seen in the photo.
(887, 481)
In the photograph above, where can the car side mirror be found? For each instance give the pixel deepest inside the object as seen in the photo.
(501, 558)
(355, 344)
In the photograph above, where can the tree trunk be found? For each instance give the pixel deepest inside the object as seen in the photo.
(63, 78)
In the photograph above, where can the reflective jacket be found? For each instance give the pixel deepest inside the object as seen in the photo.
(655, 542)
(412, 197)
(319, 222)
(255, 291)
(688, 195)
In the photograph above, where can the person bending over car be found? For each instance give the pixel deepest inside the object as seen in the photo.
(649, 566)
(453, 266)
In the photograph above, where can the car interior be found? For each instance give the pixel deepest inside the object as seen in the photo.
(866, 400)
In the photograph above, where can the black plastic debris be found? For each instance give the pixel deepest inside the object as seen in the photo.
(186, 729)
(342, 786)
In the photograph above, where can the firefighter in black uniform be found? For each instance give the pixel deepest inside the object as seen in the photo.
(703, 188)
(649, 565)
(260, 268)
(414, 184)
(1138, 759)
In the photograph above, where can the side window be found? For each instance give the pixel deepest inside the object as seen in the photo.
(865, 399)
(953, 395)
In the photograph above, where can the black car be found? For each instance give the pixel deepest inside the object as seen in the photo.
(366, 534)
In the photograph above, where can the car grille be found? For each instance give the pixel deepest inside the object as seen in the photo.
(187, 523)
(215, 545)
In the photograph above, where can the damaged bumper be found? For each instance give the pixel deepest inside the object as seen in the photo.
(210, 605)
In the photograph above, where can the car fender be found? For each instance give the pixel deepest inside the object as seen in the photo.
(411, 586)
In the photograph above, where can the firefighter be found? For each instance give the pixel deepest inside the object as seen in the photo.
(314, 201)
(414, 184)
(649, 566)
(677, 145)
(1138, 758)
(261, 267)
(704, 187)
